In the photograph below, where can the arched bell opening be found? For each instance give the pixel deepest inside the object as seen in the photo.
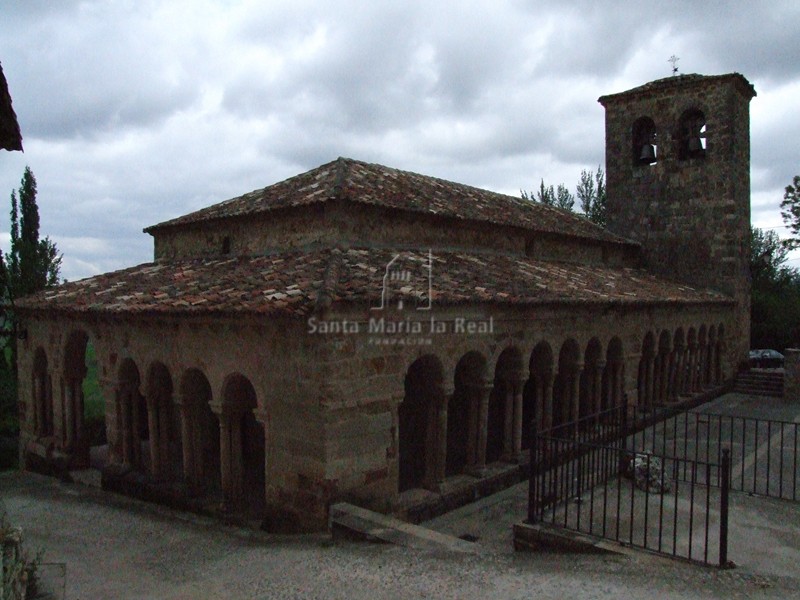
(644, 142)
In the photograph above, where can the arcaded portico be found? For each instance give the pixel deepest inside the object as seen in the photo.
(359, 332)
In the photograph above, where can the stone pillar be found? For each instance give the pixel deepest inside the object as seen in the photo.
(187, 445)
(152, 425)
(547, 394)
(483, 425)
(69, 411)
(38, 407)
(702, 356)
(473, 401)
(441, 438)
(136, 439)
(226, 476)
(516, 439)
(508, 421)
(575, 392)
(692, 367)
(791, 374)
(126, 432)
(597, 386)
(236, 459)
(649, 383)
(164, 429)
(262, 417)
(619, 383)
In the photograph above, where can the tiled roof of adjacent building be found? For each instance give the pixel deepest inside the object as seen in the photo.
(10, 136)
(660, 85)
(371, 184)
(297, 283)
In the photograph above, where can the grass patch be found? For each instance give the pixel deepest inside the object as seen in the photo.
(94, 404)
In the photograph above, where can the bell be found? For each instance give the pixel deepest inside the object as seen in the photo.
(695, 145)
(648, 154)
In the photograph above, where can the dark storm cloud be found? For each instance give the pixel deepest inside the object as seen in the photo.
(135, 112)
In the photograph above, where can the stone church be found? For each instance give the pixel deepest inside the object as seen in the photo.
(362, 333)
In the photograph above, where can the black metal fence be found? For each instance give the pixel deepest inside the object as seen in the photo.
(577, 483)
(764, 453)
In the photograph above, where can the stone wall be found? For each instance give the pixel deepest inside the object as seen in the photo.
(691, 214)
(338, 223)
(328, 402)
(791, 374)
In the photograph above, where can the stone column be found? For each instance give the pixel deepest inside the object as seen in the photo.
(619, 383)
(473, 401)
(69, 411)
(575, 392)
(791, 375)
(701, 366)
(152, 425)
(597, 386)
(692, 368)
(226, 476)
(547, 394)
(136, 440)
(187, 445)
(516, 440)
(37, 416)
(262, 417)
(126, 433)
(236, 458)
(441, 438)
(483, 424)
(164, 428)
(508, 420)
(680, 370)
(649, 380)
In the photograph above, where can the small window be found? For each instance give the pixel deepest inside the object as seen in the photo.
(692, 135)
(226, 245)
(644, 145)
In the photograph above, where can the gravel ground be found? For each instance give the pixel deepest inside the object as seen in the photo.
(99, 545)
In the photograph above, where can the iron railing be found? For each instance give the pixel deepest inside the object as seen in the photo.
(576, 483)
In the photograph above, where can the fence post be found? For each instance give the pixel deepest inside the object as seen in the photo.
(725, 487)
(533, 501)
(623, 440)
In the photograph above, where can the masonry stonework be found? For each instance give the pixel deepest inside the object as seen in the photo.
(362, 333)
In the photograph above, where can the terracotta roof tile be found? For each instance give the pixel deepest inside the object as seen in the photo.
(365, 183)
(294, 283)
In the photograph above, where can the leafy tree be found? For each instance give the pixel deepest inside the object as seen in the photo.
(767, 258)
(32, 264)
(564, 199)
(591, 192)
(775, 293)
(790, 211)
(544, 195)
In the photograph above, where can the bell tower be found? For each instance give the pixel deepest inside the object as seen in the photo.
(678, 182)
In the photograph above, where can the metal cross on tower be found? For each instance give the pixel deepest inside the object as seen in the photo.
(674, 60)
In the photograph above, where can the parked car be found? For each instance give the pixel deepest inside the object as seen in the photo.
(766, 359)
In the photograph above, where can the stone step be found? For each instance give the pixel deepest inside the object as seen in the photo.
(760, 383)
(356, 522)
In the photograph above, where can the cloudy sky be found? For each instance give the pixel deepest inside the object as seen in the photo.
(136, 111)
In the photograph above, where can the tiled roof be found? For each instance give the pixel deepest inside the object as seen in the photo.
(681, 81)
(295, 283)
(365, 183)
